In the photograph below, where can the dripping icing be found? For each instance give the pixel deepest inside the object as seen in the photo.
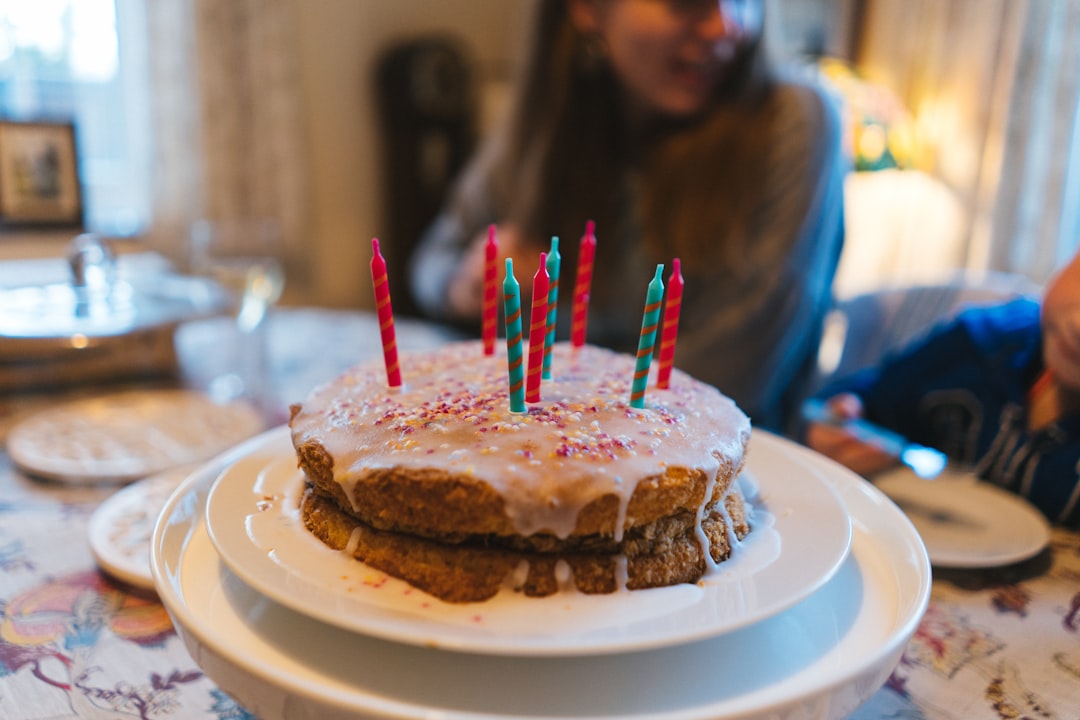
(353, 542)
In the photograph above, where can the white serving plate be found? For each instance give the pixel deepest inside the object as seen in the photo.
(821, 658)
(120, 527)
(123, 436)
(255, 525)
(966, 522)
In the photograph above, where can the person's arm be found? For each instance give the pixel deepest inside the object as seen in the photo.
(892, 393)
(1042, 465)
(895, 385)
(754, 331)
(833, 440)
(447, 252)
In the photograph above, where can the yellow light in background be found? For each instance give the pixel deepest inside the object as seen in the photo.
(941, 123)
(871, 143)
(79, 341)
(883, 134)
(930, 119)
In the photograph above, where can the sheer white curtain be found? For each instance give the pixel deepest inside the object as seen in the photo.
(226, 96)
(995, 87)
(1036, 209)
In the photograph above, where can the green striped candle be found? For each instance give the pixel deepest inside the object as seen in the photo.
(649, 322)
(554, 260)
(515, 362)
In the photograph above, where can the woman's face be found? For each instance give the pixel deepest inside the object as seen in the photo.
(1061, 325)
(669, 54)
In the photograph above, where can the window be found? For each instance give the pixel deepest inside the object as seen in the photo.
(85, 61)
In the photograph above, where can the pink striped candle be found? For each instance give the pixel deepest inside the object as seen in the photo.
(580, 312)
(386, 316)
(670, 330)
(490, 316)
(537, 331)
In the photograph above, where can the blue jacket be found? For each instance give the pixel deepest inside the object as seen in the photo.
(963, 390)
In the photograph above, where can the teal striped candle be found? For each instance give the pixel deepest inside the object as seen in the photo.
(515, 362)
(554, 260)
(649, 322)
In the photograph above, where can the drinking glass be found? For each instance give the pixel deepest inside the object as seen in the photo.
(243, 256)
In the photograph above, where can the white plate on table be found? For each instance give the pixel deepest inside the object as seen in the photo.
(255, 525)
(124, 436)
(821, 658)
(965, 522)
(120, 528)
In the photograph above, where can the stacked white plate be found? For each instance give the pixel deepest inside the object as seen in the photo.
(807, 621)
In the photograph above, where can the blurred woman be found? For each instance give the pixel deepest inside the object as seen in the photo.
(662, 121)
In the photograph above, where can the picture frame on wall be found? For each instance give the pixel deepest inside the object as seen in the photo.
(39, 175)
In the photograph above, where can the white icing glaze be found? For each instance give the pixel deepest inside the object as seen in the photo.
(581, 442)
(564, 575)
(353, 542)
(516, 579)
(729, 525)
(621, 573)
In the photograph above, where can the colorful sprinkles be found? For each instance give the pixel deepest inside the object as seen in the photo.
(581, 441)
(474, 396)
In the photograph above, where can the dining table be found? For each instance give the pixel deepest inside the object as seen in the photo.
(76, 641)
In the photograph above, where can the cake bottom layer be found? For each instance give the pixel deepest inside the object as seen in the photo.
(670, 553)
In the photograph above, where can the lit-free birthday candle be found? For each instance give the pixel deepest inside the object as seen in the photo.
(514, 356)
(491, 294)
(386, 315)
(582, 283)
(670, 329)
(649, 322)
(537, 330)
(554, 260)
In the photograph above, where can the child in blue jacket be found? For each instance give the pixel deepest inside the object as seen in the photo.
(997, 389)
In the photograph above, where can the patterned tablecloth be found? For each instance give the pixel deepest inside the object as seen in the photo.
(74, 643)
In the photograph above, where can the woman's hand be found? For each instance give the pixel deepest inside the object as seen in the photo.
(466, 290)
(834, 441)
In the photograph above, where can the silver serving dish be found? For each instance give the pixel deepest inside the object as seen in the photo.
(98, 326)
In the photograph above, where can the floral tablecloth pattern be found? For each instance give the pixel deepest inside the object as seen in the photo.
(999, 644)
(73, 642)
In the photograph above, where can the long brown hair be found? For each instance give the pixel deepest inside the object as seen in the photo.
(565, 152)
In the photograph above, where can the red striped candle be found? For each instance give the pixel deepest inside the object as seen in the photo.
(490, 315)
(670, 331)
(582, 284)
(537, 331)
(386, 316)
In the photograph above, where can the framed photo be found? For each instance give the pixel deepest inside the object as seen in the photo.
(39, 175)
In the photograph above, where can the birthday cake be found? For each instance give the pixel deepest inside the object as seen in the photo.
(437, 483)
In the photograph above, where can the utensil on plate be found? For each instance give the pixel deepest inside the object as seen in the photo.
(926, 462)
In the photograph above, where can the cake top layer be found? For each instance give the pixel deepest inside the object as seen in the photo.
(582, 441)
